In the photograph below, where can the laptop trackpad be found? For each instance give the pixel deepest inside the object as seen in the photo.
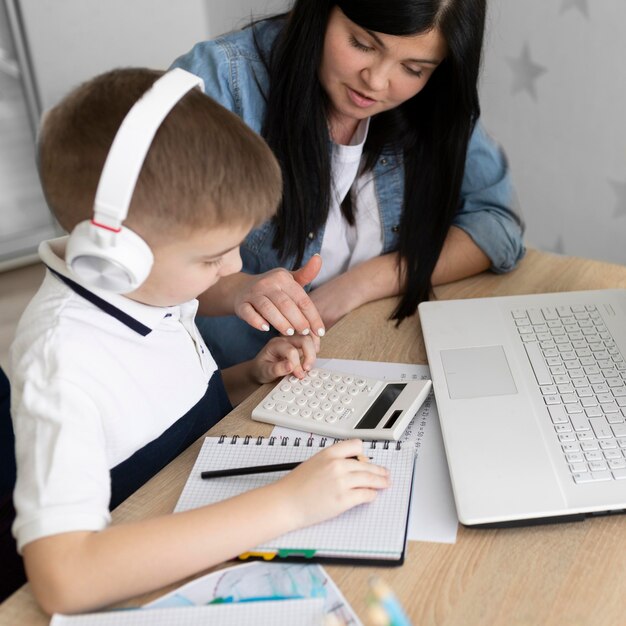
(477, 372)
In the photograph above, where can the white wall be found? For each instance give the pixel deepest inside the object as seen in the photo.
(554, 94)
(228, 15)
(72, 40)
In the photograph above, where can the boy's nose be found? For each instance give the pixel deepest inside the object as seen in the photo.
(232, 263)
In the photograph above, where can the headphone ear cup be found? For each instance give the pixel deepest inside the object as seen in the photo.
(120, 264)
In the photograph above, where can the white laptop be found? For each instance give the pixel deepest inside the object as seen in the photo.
(531, 393)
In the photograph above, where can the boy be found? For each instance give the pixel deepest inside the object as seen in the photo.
(108, 388)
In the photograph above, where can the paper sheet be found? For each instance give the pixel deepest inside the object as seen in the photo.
(258, 580)
(304, 612)
(433, 513)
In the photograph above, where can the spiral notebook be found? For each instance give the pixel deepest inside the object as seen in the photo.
(374, 533)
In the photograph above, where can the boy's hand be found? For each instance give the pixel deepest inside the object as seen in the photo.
(332, 482)
(285, 355)
(277, 298)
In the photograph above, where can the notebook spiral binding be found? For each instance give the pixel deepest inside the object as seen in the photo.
(296, 443)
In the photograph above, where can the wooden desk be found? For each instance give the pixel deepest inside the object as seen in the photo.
(563, 574)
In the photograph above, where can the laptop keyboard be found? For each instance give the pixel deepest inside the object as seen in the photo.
(582, 376)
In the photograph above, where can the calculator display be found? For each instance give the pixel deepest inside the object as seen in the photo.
(381, 405)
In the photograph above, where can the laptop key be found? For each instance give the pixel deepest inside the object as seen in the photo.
(538, 364)
(601, 428)
(583, 477)
(604, 475)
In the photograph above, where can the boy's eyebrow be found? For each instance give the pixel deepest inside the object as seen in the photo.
(219, 254)
(381, 43)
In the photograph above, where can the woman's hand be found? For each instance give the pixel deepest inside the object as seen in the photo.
(285, 355)
(332, 482)
(277, 298)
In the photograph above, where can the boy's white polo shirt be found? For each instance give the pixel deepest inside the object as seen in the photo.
(89, 388)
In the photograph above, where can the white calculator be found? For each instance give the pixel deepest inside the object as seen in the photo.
(343, 405)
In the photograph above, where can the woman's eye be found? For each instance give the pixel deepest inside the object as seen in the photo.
(358, 45)
(413, 71)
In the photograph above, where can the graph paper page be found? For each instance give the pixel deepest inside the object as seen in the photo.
(375, 530)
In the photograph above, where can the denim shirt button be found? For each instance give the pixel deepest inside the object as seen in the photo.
(311, 235)
(383, 161)
(395, 229)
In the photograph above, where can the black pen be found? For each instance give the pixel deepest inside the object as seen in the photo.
(261, 469)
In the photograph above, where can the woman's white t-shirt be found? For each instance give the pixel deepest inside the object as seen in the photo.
(344, 245)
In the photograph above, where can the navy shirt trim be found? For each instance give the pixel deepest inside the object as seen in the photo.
(130, 474)
(103, 305)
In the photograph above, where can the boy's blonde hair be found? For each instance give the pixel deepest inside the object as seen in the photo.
(205, 167)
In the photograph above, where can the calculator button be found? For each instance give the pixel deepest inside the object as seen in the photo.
(329, 386)
(297, 389)
(293, 410)
(331, 418)
(326, 406)
(309, 393)
(319, 415)
(346, 399)
(321, 394)
(348, 380)
(269, 404)
(333, 397)
(336, 378)
(324, 375)
(306, 412)
(314, 373)
(285, 387)
(360, 382)
(338, 409)
(281, 407)
(353, 390)
(317, 383)
(342, 388)
(301, 401)
(287, 397)
(314, 403)
(293, 379)
(305, 381)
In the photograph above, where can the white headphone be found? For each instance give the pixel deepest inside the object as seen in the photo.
(101, 252)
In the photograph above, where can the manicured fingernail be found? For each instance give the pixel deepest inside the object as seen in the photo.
(290, 331)
(265, 327)
(306, 331)
(321, 332)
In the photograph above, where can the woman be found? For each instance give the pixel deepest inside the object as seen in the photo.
(371, 107)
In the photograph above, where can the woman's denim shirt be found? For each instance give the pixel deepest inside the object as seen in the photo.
(236, 77)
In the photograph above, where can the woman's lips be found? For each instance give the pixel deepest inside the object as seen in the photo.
(359, 99)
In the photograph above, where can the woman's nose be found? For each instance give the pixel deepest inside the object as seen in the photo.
(375, 76)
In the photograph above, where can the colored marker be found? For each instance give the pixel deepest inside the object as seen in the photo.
(387, 600)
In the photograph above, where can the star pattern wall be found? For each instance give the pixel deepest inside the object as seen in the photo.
(620, 192)
(525, 73)
(551, 94)
(581, 5)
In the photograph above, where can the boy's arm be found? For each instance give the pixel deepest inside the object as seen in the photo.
(79, 571)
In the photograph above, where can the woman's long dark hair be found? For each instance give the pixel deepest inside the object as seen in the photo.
(430, 131)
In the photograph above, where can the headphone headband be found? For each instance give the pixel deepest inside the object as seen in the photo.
(131, 144)
(101, 252)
